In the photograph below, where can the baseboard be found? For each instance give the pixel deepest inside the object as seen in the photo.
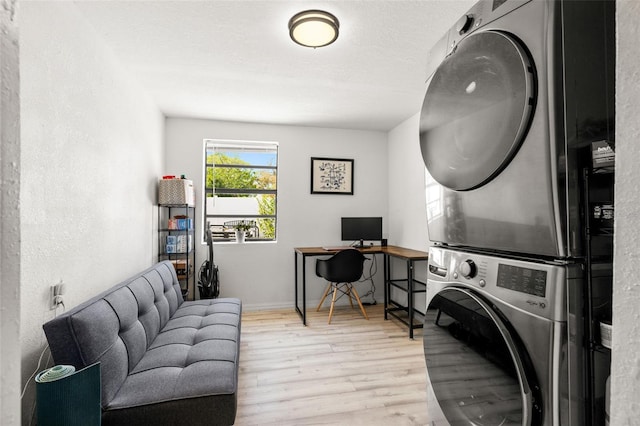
(266, 306)
(311, 304)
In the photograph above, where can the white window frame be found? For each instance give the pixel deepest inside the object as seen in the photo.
(223, 231)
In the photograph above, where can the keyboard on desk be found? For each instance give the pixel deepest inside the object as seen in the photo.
(336, 248)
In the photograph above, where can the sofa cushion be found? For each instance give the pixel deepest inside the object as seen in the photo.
(193, 363)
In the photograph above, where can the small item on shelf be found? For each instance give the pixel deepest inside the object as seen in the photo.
(607, 212)
(179, 244)
(180, 223)
(603, 214)
(602, 154)
(181, 268)
(597, 212)
(606, 331)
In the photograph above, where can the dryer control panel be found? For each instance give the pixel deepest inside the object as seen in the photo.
(479, 15)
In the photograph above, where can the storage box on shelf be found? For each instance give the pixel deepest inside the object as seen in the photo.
(180, 223)
(183, 268)
(176, 191)
(179, 244)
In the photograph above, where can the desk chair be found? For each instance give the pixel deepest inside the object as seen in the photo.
(341, 270)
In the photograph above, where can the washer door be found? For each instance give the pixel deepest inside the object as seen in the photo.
(474, 365)
(477, 110)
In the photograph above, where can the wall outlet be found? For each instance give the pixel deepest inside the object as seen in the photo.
(55, 295)
(52, 303)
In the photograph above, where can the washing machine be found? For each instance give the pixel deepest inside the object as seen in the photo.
(496, 341)
(516, 93)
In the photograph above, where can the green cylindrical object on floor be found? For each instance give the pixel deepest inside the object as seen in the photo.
(65, 397)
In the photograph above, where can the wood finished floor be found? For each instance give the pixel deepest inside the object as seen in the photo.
(351, 372)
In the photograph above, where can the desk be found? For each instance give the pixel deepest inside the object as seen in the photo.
(390, 307)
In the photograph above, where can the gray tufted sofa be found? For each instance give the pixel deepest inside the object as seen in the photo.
(164, 361)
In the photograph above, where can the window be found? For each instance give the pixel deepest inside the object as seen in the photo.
(240, 188)
(434, 196)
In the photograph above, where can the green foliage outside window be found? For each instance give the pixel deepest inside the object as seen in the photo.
(226, 177)
(267, 205)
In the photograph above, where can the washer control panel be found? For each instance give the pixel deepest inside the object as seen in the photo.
(525, 280)
(533, 286)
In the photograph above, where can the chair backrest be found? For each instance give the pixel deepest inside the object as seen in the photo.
(343, 267)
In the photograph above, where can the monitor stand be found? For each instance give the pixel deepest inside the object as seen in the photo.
(360, 244)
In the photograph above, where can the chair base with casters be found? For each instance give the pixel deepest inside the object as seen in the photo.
(341, 270)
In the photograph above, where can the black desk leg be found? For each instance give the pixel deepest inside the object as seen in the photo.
(295, 281)
(304, 290)
(410, 295)
(303, 312)
(386, 284)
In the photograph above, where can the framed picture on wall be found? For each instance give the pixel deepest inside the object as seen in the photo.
(331, 176)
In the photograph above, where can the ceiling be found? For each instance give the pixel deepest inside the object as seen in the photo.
(234, 60)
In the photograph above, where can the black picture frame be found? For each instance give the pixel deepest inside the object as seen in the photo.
(331, 176)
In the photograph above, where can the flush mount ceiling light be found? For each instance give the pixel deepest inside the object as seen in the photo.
(314, 28)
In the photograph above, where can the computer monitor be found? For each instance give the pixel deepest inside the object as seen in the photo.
(361, 229)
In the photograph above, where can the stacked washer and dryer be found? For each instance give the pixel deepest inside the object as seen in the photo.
(517, 92)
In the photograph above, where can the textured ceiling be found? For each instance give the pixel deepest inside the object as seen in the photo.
(233, 60)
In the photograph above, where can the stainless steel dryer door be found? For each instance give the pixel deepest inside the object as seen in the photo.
(476, 368)
(477, 110)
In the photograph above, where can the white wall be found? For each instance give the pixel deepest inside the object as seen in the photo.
(625, 408)
(92, 150)
(10, 218)
(407, 202)
(262, 274)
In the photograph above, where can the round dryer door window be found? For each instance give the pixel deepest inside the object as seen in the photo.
(477, 110)
(475, 367)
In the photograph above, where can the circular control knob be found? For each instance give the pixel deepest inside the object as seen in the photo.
(464, 24)
(482, 283)
(468, 268)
